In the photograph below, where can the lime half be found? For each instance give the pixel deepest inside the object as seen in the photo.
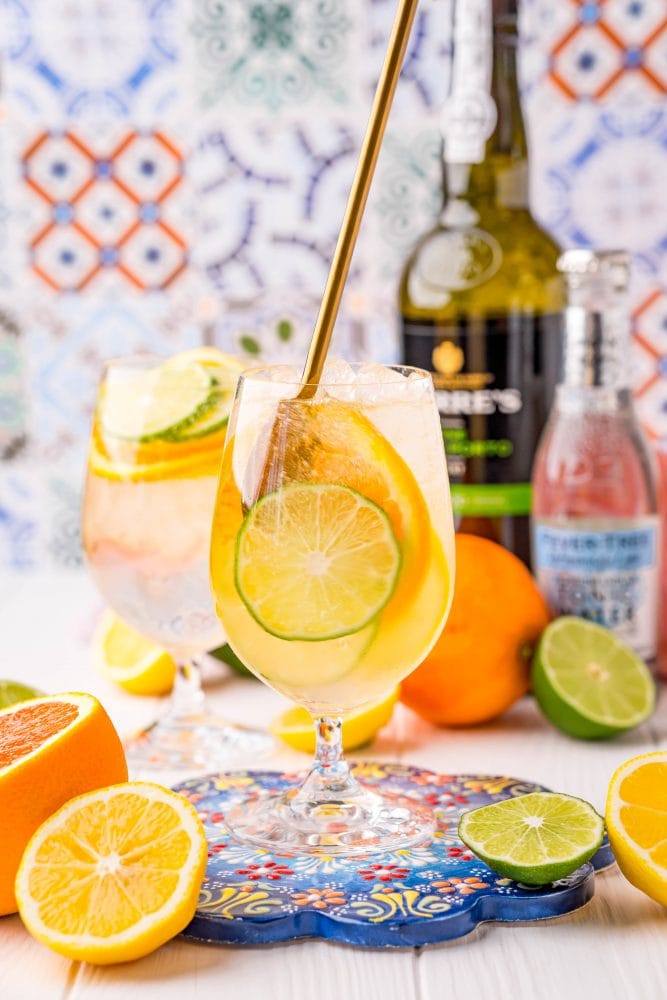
(143, 404)
(316, 561)
(535, 838)
(12, 692)
(588, 682)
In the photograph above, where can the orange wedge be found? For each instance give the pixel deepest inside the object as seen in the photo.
(51, 749)
(113, 874)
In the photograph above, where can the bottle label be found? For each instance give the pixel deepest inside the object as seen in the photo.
(609, 577)
(494, 381)
(469, 114)
(491, 500)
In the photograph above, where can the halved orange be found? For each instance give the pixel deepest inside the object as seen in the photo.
(51, 749)
(114, 873)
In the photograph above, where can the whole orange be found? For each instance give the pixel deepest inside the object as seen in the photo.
(480, 664)
(51, 749)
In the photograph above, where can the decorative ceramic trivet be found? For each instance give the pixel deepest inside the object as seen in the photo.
(432, 892)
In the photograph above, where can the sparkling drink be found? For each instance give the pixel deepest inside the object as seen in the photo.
(147, 544)
(332, 558)
(150, 491)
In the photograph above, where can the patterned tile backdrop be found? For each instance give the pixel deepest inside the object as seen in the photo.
(174, 171)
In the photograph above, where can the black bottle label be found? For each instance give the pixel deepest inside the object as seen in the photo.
(494, 380)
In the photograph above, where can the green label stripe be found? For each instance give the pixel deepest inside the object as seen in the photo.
(491, 499)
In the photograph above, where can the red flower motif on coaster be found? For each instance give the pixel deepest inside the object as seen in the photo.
(319, 899)
(462, 886)
(460, 853)
(383, 873)
(270, 870)
(100, 211)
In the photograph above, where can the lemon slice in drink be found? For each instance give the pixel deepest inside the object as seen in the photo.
(315, 561)
(144, 404)
(588, 682)
(535, 838)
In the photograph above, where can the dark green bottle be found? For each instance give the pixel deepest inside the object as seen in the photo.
(480, 295)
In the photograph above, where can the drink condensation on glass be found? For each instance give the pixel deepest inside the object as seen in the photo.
(332, 561)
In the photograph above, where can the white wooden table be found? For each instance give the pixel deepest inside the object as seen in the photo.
(615, 947)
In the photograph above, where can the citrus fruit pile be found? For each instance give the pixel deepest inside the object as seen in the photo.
(99, 874)
(51, 749)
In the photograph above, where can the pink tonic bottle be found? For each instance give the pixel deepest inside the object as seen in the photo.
(595, 528)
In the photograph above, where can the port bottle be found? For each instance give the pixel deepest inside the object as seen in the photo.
(480, 295)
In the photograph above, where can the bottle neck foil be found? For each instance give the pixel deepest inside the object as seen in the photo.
(596, 351)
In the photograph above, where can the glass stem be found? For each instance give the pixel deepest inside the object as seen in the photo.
(330, 779)
(187, 698)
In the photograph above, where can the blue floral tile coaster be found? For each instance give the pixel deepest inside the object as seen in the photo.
(433, 892)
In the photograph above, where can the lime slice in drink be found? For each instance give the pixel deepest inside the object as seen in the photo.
(588, 682)
(213, 421)
(143, 404)
(315, 561)
(225, 370)
(12, 692)
(535, 838)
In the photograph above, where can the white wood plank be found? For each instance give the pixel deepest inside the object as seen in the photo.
(613, 948)
(282, 972)
(28, 970)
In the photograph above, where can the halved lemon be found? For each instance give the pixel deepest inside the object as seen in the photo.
(295, 725)
(113, 874)
(125, 657)
(316, 561)
(636, 817)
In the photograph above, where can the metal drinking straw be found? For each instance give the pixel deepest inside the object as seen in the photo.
(356, 202)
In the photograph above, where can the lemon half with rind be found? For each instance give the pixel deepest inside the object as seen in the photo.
(113, 874)
(636, 817)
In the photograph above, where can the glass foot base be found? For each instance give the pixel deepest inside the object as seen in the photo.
(195, 743)
(365, 823)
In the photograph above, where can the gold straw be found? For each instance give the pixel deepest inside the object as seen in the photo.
(356, 202)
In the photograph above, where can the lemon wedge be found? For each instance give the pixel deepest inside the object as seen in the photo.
(295, 725)
(125, 657)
